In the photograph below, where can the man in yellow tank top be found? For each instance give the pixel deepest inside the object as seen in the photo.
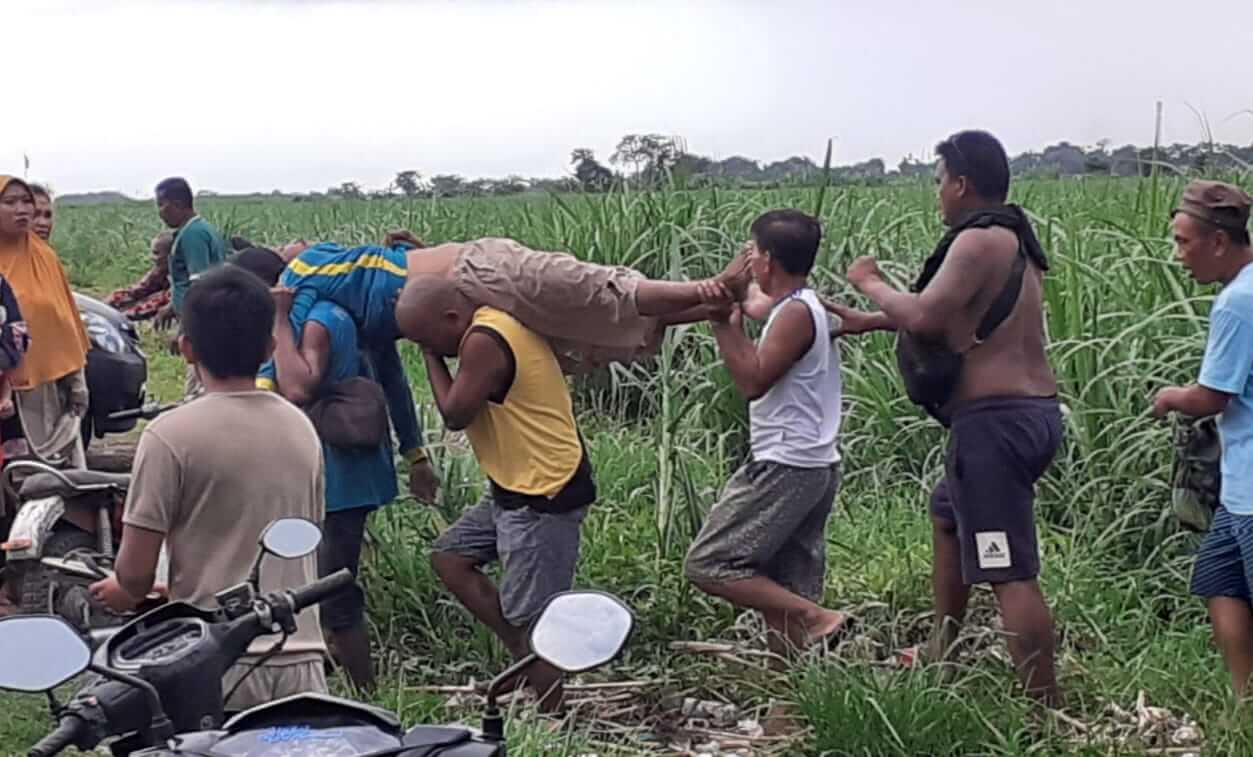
(511, 399)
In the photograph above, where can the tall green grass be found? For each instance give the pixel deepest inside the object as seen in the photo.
(1122, 320)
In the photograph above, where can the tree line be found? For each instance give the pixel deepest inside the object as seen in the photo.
(654, 160)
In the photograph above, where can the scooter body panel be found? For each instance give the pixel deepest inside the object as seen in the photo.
(31, 527)
(319, 724)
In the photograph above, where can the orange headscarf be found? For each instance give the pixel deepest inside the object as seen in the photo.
(58, 341)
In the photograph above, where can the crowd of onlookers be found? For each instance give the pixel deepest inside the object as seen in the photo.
(297, 404)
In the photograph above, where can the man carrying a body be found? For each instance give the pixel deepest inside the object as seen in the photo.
(310, 357)
(591, 313)
(511, 398)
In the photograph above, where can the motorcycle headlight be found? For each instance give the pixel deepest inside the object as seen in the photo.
(103, 334)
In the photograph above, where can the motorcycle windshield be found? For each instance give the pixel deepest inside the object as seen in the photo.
(292, 740)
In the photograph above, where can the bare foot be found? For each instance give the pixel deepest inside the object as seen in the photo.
(782, 719)
(545, 682)
(826, 625)
(736, 277)
(908, 657)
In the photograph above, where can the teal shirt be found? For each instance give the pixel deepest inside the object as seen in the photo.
(354, 477)
(198, 246)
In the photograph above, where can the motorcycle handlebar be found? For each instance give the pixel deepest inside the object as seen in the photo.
(147, 412)
(65, 735)
(73, 727)
(319, 590)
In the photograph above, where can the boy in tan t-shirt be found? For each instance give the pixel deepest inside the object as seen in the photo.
(204, 483)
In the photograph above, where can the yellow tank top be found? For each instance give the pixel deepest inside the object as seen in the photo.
(529, 443)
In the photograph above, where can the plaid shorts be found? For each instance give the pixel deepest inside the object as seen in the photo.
(771, 522)
(1223, 562)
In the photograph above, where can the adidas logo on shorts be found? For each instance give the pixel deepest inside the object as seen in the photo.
(993, 549)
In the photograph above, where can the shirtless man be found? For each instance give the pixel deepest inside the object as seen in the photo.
(1003, 413)
(590, 313)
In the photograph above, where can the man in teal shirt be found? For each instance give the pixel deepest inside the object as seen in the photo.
(198, 246)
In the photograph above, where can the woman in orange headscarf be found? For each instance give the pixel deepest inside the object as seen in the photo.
(50, 383)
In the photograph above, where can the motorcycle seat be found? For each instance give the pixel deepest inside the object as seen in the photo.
(82, 481)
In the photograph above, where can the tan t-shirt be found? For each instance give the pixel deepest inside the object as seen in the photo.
(211, 476)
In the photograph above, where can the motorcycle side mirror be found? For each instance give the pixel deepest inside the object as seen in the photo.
(581, 630)
(39, 653)
(286, 538)
(291, 538)
(575, 632)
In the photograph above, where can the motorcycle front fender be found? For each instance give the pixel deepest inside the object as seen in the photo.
(30, 529)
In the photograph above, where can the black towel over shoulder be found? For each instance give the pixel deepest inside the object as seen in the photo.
(1009, 216)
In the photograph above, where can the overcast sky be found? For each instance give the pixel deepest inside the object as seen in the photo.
(305, 94)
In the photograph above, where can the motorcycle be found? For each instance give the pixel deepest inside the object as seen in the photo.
(117, 370)
(65, 535)
(158, 684)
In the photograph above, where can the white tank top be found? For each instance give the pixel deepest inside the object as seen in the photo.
(797, 422)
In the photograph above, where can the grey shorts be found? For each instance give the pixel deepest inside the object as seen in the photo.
(771, 522)
(270, 682)
(538, 552)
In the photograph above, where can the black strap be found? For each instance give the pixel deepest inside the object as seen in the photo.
(579, 491)
(1004, 303)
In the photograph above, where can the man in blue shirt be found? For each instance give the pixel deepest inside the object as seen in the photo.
(1212, 241)
(312, 352)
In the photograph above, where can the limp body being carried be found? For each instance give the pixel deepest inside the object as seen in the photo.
(590, 313)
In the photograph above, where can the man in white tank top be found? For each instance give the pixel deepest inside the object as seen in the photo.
(763, 546)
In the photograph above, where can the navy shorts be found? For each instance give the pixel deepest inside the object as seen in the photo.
(998, 448)
(1226, 554)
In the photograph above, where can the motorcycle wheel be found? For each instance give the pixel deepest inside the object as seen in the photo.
(71, 595)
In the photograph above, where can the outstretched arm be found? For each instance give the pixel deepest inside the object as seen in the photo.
(390, 373)
(402, 237)
(853, 321)
(929, 312)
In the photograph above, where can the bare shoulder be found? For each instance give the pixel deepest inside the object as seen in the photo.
(794, 325)
(795, 313)
(977, 253)
(484, 350)
(983, 241)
